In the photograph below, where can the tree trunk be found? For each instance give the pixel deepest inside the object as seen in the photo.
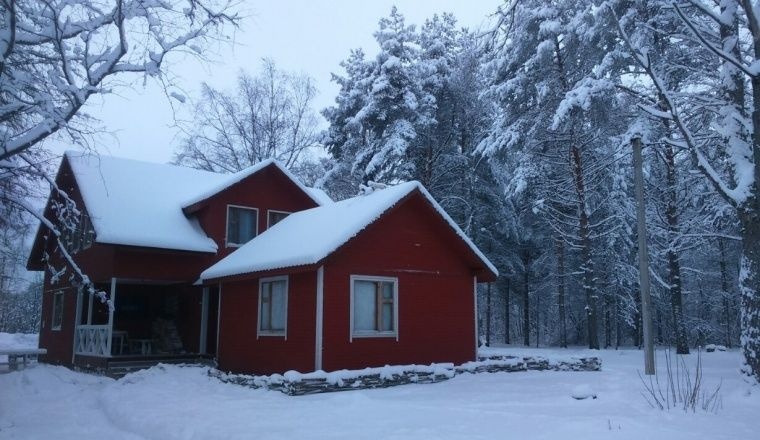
(560, 246)
(749, 279)
(526, 297)
(506, 312)
(587, 264)
(607, 324)
(538, 317)
(488, 315)
(618, 338)
(725, 293)
(674, 264)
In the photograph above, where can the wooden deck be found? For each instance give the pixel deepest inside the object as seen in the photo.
(118, 366)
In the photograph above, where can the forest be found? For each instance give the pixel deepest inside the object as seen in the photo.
(524, 132)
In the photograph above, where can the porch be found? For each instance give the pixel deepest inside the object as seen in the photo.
(149, 323)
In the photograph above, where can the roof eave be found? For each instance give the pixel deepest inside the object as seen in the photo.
(260, 273)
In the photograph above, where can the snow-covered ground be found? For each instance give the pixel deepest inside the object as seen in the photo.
(171, 402)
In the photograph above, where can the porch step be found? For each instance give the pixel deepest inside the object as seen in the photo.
(118, 369)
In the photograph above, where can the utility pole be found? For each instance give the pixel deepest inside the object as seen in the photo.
(644, 284)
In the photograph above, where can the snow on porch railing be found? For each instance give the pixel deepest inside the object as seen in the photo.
(93, 340)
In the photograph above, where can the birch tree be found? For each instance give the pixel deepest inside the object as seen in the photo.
(268, 115)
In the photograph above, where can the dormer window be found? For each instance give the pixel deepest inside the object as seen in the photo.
(242, 225)
(274, 217)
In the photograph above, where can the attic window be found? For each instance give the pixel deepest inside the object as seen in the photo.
(274, 217)
(79, 236)
(374, 306)
(242, 225)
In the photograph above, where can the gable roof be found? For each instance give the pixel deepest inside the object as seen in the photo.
(318, 196)
(307, 237)
(139, 203)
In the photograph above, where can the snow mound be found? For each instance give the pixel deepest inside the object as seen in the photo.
(581, 392)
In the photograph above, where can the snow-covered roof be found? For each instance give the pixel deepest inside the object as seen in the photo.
(307, 237)
(139, 203)
(318, 196)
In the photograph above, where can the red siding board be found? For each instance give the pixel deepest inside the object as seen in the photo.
(268, 189)
(436, 310)
(435, 299)
(240, 351)
(59, 343)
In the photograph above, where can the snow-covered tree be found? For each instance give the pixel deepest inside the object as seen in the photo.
(556, 117)
(384, 127)
(715, 120)
(56, 55)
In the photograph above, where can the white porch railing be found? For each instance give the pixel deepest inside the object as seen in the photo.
(93, 340)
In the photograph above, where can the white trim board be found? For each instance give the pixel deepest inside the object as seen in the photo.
(320, 318)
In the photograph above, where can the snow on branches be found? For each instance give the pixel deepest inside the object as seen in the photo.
(57, 54)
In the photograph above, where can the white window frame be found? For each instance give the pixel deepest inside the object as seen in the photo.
(259, 331)
(227, 225)
(353, 334)
(52, 315)
(269, 224)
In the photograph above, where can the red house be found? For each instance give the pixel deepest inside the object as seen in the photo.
(254, 270)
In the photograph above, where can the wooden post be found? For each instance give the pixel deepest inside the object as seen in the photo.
(89, 308)
(506, 311)
(77, 323)
(475, 312)
(203, 342)
(488, 315)
(111, 308)
(218, 319)
(319, 320)
(644, 283)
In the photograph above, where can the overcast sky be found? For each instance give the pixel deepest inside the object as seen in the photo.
(310, 36)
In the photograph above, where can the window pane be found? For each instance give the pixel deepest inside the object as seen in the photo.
(247, 225)
(279, 305)
(266, 320)
(241, 225)
(364, 305)
(57, 310)
(232, 226)
(388, 291)
(388, 317)
(276, 217)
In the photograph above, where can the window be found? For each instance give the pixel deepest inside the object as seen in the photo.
(273, 306)
(79, 235)
(274, 217)
(57, 310)
(374, 306)
(242, 225)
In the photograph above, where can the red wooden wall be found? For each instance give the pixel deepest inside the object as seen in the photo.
(435, 292)
(436, 310)
(240, 351)
(267, 189)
